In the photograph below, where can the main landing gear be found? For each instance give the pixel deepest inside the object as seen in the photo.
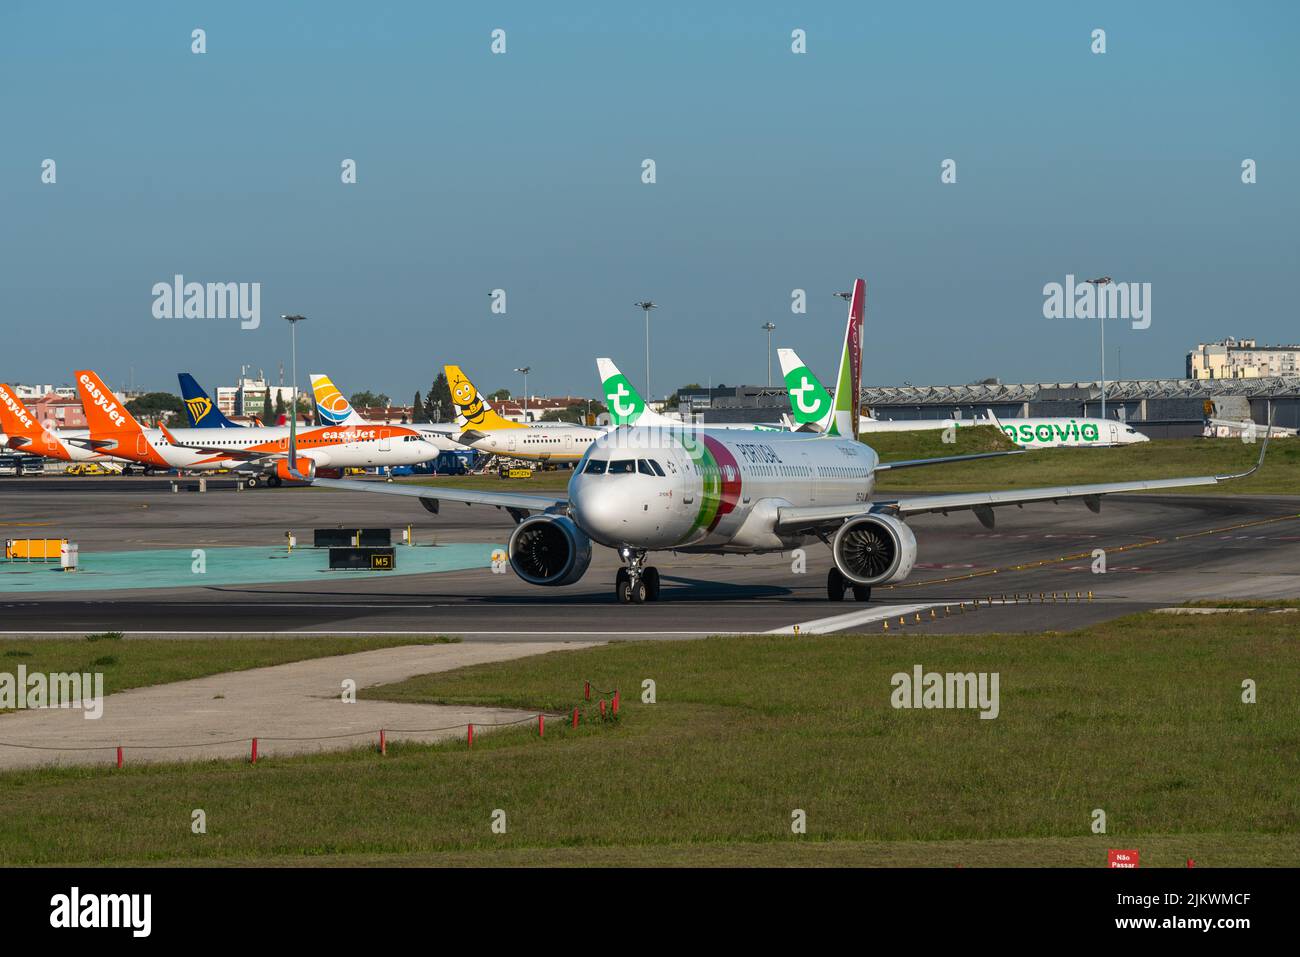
(636, 583)
(837, 584)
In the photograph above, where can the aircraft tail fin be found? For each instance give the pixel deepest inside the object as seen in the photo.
(105, 415)
(472, 409)
(332, 407)
(848, 381)
(810, 403)
(626, 407)
(199, 408)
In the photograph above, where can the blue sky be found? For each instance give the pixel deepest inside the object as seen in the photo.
(522, 171)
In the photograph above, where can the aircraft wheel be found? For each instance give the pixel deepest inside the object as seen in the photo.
(274, 481)
(640, 592)
(250, 482)
(623, 588)
(862, 592)
(651, 578)
(835, 585)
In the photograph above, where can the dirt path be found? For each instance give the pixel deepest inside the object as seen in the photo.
(298, 700)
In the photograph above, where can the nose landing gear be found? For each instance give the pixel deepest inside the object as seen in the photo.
(636, 583)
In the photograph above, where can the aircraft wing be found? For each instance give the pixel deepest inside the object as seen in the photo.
(913, 463)
(84, 442)
(814, 518)
(513, 502)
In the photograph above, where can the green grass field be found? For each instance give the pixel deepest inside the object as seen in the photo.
(136, 662)
(1163, 458)
(1141, 717)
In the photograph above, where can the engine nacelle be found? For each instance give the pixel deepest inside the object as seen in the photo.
(549, 550)
(305, 467)
(874, 549)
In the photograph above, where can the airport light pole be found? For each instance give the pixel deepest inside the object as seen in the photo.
(525, 370)
(1096, 285)
(645, 306)
(293, 340)
(769, 327)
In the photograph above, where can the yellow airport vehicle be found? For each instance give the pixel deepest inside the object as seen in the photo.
(87, 468)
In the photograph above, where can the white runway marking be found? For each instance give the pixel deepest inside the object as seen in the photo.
(825, 626)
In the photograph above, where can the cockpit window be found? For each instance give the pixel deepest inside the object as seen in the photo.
(643, 466)
(622, 467)
(657, 467)
(595, 467)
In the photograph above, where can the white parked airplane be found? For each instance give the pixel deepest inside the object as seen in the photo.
(810, 405)
(641, 490)
(485, 430)
(333, 408)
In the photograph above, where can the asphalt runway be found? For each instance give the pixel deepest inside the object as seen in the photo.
(1036, 566)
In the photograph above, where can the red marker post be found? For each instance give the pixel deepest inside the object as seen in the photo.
(616, 701)
(119, 756)
(586, 691)
(541, 725)
(575, 717)
(383, 742)
(254, 761)
(470, 739)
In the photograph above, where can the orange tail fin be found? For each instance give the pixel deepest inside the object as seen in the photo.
(105, 415)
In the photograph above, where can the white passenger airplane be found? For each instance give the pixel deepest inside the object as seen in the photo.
(485, 430)
(639, 490)
(810, 405)
(333, 408)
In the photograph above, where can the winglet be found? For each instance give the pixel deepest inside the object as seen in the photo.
(293, 442)
(1263, 451)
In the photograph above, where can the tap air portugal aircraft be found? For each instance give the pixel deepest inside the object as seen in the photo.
(22, 431)
(262, 449)
(485, 430)
(643, 489)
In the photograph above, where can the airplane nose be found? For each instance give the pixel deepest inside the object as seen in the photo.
(599, 510)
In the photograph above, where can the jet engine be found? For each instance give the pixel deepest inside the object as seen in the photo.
(874, 549)
(549, 550)
(305, 467)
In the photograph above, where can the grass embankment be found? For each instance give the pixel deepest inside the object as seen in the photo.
(1161, 458)
(135, 662)
(1141, 717)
